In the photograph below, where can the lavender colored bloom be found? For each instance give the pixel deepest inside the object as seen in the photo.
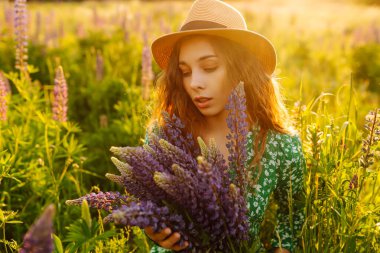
(99, 66)
(39, 238)
(238, 125)
(4, 91)
(354, 182)
(21, 35)
(178, 188)
(8, 15)
(38, 26)
(147, 213)
(146, 69)
(107, 201)
(372, 129)
(60, 96)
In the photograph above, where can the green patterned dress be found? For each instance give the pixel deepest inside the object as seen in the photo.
(282, 175)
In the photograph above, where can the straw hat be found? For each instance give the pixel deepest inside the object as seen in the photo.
(213, 17)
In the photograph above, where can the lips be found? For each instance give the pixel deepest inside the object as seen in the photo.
(202, 102)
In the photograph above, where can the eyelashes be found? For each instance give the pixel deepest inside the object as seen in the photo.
(208, 70)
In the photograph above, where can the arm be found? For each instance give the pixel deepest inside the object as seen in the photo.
(289, 195)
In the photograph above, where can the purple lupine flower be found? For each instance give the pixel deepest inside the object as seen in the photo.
(4, 91)
(131, 183)
(99, 66)
(106, 201)
(60, 96)
(137, 22)
(38, 26)
(174, 133)
(21, 35)
(8, 15)
(200, 186)
(164, 27)
(39, 237)
(147, 213)
(354, 182)
(238, 125)
(170, 182)
(146, 69)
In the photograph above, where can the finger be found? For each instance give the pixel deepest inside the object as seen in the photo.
(170, 241)
(160, 235)
(178, 248)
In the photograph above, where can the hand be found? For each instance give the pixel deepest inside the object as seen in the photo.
(166, 239)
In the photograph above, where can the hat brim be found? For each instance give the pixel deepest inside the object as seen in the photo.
(260, 46)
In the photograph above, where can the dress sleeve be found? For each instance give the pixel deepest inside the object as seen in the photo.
(289, 193)
(158, 249)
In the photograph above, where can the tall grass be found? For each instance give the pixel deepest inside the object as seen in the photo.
(328, 73)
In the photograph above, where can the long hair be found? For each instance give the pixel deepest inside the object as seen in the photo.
(265, 107)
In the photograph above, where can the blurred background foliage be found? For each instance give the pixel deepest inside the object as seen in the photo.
(328, 66)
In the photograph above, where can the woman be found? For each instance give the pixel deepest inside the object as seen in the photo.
(202, 63)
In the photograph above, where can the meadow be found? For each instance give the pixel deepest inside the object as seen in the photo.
(95, 56)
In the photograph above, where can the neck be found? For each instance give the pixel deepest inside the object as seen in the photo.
(216, 125)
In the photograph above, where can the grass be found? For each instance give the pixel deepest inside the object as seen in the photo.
(326, 65)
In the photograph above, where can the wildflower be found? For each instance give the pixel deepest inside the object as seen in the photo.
(238, 125)
(185, 187)
(354, 182)
(372, 127)
(146, 213)
(106, 201)
(39, 236)
(4, 91)
(99, 66)
(60, 96)
(20, 25)
(147, 73)
(38, 26)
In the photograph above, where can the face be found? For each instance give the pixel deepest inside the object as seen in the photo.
(204, 76)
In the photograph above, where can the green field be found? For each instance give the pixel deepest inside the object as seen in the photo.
(328, 56)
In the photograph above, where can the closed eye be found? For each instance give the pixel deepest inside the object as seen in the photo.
(210, 69)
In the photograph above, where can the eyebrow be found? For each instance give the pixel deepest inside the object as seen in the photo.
(200, 59)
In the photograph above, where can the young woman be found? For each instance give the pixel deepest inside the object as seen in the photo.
(202, 63)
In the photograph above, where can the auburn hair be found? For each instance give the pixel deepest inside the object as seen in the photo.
(265, 106)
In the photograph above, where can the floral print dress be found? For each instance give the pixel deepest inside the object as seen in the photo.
(282, 176)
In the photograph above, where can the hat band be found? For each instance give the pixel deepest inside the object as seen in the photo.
(201, 24)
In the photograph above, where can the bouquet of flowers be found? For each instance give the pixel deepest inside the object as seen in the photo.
(172, 182)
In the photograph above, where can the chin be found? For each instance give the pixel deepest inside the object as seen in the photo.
(208, 112)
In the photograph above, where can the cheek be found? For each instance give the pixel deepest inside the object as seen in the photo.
(186, 87)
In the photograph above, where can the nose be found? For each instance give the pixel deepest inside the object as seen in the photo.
(197, 81)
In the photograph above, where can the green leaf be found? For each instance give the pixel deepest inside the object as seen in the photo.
(14, 222)
(58, 248)
(86, 213)
(2, 218)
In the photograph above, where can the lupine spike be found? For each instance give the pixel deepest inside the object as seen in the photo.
(39, 236)
(107, 201)
(20, 26)
(115, 178)
(3, 98)
(147, 73)
(60, 96)
(238, 125)
(171, 181)
(121, 166)
(203, 147)
(99, 66)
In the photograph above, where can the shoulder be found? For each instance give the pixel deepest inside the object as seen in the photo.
(290, 159)
(284, 143)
